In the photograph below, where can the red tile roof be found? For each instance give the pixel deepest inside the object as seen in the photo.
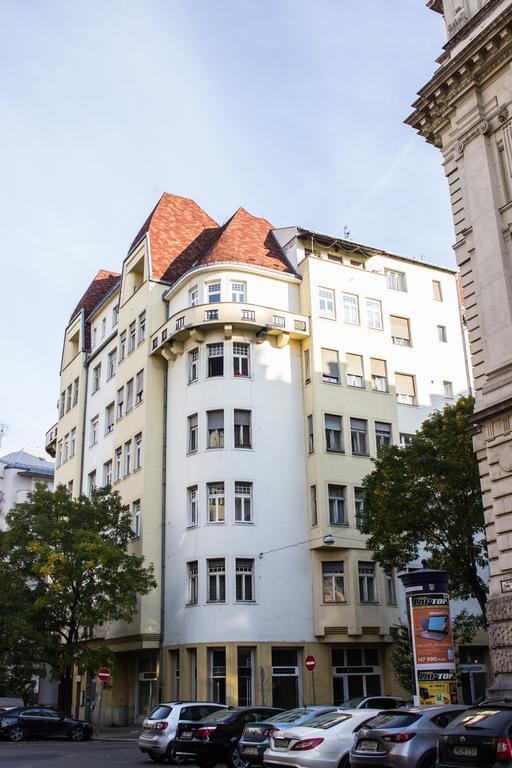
(97, 290)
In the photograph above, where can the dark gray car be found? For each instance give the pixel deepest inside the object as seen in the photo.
(402, 738)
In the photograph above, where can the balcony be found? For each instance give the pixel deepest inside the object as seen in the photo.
(50, 442)
(262, 320)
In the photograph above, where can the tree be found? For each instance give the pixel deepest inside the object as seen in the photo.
(426, 496)
(69, 558)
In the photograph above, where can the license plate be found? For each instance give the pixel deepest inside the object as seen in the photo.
(368, 746)
(465, 751)
(186, 735)
(250, 751)
(148, 729)
(281, 743)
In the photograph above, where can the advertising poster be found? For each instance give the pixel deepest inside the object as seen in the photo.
(437, 687)
(431, 629)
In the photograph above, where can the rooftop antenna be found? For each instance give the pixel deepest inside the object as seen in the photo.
(346, 232)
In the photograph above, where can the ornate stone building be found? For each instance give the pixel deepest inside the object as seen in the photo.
(466, 111)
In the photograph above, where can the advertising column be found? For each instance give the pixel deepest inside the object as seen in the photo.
(428, 612)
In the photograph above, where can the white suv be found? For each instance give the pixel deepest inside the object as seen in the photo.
(159, 727)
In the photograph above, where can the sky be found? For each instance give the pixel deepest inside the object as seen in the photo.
(293, 109)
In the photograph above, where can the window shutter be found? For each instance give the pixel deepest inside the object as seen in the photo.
(332, 422)
(215, 419)
(243, 418)
(330, 363)
(404, 384)
(400, 327)
(354, 365)
(378, 367)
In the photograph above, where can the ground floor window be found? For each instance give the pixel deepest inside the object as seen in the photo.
(355, 672)
(192, 655)
(245, 677)
(175, 660)
(285, 677)
(472, 673)
(217, 674)
(146, 692)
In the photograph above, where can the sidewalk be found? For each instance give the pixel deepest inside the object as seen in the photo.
(122, 733)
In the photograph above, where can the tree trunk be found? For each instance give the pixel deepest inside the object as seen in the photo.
(66, 690)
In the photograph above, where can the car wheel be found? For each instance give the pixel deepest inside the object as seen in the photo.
(76, 733)
(172, 758)
(157, 758)
(16, 733)
(235, 760)
(430, 762)
(344, 762)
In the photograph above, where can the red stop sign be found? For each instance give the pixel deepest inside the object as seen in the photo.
(310, 663)
(104, 674)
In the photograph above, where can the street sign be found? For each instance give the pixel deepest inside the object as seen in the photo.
(104, 674)
(310, 663)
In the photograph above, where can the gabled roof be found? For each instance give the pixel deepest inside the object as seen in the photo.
(102, 283)
(28, 462)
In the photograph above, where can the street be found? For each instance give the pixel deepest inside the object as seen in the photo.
(61, 754)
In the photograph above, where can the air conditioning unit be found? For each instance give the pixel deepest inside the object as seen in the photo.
(145, 677)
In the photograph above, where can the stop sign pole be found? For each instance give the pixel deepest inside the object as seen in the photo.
(103, 675)
(310, 664)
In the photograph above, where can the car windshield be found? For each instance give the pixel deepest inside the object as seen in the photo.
(483, 718)
(291, 716)
(352, 703)
(392, 719)
(221, 716)
(160, 712)
(328, 720)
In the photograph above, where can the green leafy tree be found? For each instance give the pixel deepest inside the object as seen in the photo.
(426, 496)
(70, 559)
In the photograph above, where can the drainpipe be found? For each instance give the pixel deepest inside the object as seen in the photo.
(163, 529)
(84, 417)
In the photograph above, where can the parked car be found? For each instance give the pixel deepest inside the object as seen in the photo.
(481, 737)
(402, 737)
(373, 702)
(159, 727)
(325, 741)
(256, 736)
(214, 739)
(41, 722)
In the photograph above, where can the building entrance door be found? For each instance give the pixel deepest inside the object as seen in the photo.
(356, 673)
(285, 678)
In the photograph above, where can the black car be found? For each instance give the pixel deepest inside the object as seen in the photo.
(481, 737)
(214, 739)
(41, 722)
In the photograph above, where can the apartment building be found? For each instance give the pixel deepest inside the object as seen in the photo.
(234, 383)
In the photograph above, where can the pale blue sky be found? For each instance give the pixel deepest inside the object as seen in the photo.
(292, 108)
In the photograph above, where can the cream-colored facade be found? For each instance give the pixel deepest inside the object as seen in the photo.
(466, 111)
(274, 364)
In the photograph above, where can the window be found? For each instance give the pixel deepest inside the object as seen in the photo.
(311, 436)
(193, 296)
(333, 433)
(75, 391)
(117, 464)
(131, 337)
(436, 290)
(120, 402)
(245, 659)
(441, 333)
(244, 580)
(96, 378)
(59, 453)
(373, 314)
(72, 443)
(109, 418)
(367, 587)
(62, 404)
(142, 327)
(396, 280)
(405, 390)
(379, 375)
(137, 459)
(382, 434)
(330, 366)
(215, 360)
(336, 495)
(216, 580)
(111, 365)
(192, 583)
(94, 337)
(405, 439)
(107, 473)
(359, 504)
(359, 436)
(115, 315)
(350, 309)
(192, 433)
(390, 588)
(215, 421)
(127, 457)
(91, 482)
(217, 674)
(448, 390)
(213, 293)
(307, 367)
(242, 425)
(326, 303)
(129, 395)
(68, 397)
(122, 346)
(400, 331)
(66, 447)
(103, 327)
(192, 501)
(216, 502)
(333, 582)
(136, 518)
(243, 502)
(314, 505)
(355, 371)
(239, 292)
(193, 365)
(240, 359)
(94, 430)
(139, 387)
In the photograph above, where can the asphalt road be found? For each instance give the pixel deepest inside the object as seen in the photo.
(65, 754)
